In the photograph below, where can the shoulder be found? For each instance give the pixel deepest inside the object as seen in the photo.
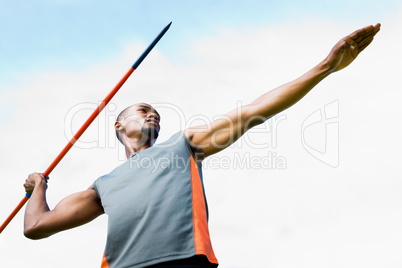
(91, 193)
(196, 150)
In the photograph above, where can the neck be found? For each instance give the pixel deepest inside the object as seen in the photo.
(134, 145)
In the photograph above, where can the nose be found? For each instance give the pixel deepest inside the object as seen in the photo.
(153, 115)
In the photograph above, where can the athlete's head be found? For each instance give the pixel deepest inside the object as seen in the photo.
(138, 122)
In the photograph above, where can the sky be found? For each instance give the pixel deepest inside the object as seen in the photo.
(318, 185)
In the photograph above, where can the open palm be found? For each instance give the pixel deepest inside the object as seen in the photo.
(349, 47)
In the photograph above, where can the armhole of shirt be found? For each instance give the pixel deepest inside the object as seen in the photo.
(95, 185)
(189, 148)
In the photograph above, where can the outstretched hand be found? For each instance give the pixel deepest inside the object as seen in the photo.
(349, 47)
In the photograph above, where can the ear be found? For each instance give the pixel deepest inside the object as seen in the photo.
(118, 126)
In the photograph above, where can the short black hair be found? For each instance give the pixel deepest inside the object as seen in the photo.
(120, 117)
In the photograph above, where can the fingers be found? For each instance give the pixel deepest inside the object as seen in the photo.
(368, 30)
(364, 44)
(345, 45)
(31, 181)
(35, 175)
(364, 36)
(29, 186)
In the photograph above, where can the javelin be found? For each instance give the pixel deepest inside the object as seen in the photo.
(87, 123)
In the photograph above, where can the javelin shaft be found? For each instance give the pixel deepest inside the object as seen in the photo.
(88, 123)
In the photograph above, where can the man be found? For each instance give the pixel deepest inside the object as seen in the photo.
(155, 200)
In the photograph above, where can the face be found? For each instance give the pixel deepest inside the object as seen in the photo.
(141, 121)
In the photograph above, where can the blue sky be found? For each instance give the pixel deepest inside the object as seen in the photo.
(57, 55)
(44, 35)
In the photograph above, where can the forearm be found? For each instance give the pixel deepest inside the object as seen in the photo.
(226, 130)
(35, 210)
(288, 94)
(72, 211)
(222, 132)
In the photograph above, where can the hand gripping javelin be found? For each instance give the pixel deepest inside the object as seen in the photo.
(87, 123)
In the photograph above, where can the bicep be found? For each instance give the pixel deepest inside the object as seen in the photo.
(221, 133)
(74, 210)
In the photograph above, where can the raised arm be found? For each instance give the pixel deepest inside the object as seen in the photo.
(74, 210)
(221, 133)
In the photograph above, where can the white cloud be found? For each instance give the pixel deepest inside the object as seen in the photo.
(308, 215)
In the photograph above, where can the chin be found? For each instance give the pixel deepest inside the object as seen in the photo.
(151, 133)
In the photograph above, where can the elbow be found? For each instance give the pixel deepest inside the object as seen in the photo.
(252, 116)
(33, 232)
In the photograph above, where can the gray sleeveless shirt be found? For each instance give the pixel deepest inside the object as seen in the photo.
(156, 206)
